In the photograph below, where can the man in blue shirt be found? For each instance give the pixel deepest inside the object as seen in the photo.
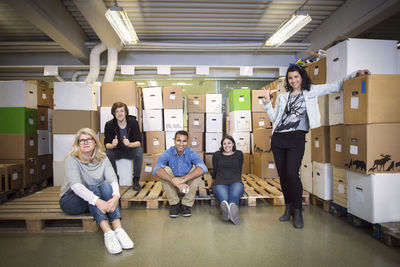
(180, 169)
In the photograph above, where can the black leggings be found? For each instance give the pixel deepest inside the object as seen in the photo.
(288, 150)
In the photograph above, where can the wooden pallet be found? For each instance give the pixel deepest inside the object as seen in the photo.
(319, 202)
(389, 233)
(337, 210)
(40, 212)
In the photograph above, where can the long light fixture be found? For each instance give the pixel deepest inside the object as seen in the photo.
(292, 25)
(121, 24)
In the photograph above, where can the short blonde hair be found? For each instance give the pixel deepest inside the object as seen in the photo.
(98, 152)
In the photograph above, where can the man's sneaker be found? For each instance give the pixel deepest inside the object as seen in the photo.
(225, 210)
(111, 242)
(124, 240)
(135, 184)
(186, 211)
(234, 213)
(174, 211)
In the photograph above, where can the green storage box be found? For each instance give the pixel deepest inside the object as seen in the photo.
(18, 120)
(239, 99)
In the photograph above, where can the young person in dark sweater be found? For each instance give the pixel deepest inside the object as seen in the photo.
(227, 178)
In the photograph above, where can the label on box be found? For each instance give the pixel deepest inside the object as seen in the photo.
(338, 148)
(261, 123)
(196, 122)
(241, 99)
(260, 101)
(15, 176)
(354, 102)
(214, 142)
(316, 143)
(340, 189)
(353, 150)
(31, 142)
(42, 118)
(44, 96)
(148, 169)
(32, 171)
(172, 96)
(156, 143)
(195, 102)
(43, 166)
(194, 143)
(31, 121)
(271, 165)
(316, 71)
(337, 106)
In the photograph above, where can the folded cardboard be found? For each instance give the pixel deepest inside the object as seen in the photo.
(240, 121)
(155, 142)
(196, 103)
(70, 121)
(172, 97)
(264, 165)
(262, 140)
(213, 103)
(152, 98)
(322, 180)
(29, 170)
(42, 118)
(260, 120)
(196, 122)
(11, 176)
(105, 115)
(18, 94)
(149, 162)
(120, 91)
(239, 99)
(18, 120)
(213, 142)
(336, 150)
(18, 146)
(196, 141)
(340, 187)
(214, 122)
(336, 115)
(173, 119)
(152, 120)
(372, 148)
(372, 99)
(76, 95)
(43, 142)
(320, 144)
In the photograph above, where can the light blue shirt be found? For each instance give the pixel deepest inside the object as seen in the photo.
(180, 165)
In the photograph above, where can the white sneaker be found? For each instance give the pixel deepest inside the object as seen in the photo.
(234, 213)
(111, 243)
(225, 210)
(124, 239)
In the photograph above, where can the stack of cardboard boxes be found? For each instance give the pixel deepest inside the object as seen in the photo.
(196, 108)
(213, 126)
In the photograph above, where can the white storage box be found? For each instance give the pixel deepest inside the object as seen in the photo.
(50, 139)
(62, 145)
(240, 121)
(323, 104)
(242, 140)
(173, 119)
(43, 142)
(152, 98)
(105, 115)
(76, 95)
(379, 56)
(58, 173)
(18, 94)
(336, 108)
(152, 120)
(374, 198)
(213, 103)
(213, 142)
(124, 170)
(169, 139)
(322, 180)
(214, 122)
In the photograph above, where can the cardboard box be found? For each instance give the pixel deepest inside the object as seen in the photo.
(196, 122)
(196, 103)
(320, 147)
(336, 115)
(29, 171)
(322, 180)
(76, 95)
(372, 99)
(240, 121)
(152, 120)
(213, 142)
(246, 164)
(70, 121)
(208, 160)
(214, 122)
(42, 119)
(340, 187)
(149, 162)
(43, 168)
(213, 103)
(18, 120)
(172, 97)
(262, 140)
(169, 139)
(257, 97)
(239, 99)
(62, 144)
(317, 71)
(173, 119)
(152, 98)
(50, 119)
(196, 141)
(18, 94)
(11, 177)
(18, 146)
(43, 93)
(260, 120)
(124, 171)
(43, 142)
(374, 198)
(264, 165)
(58, 173)
(337, 152)
(242, 140)
(372, 148)
(155, 142)
(121, 91)
(105, 115)
(201, 155)
(323, 104)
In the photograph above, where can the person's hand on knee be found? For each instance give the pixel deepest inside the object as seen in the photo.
(102, 205)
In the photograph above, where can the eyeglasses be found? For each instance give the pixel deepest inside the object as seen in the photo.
(85, 141)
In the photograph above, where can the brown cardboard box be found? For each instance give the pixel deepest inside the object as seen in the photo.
(43, 167)
(11, 177)
(29, 171)
(320, 144)
(257, 100)
(372, 148)
(196, 103)
(18, 146)
(264, 165)
(246, 163)
(372, 99)
(149, 162)
(260, 120)
(262, 140)
(336, 136)
(44, 97)
(172, 97)
(42, 118)
(196, 141)
(121, 91)
(317, 71)
(340, 186)
(70, 121)
(208, 160)
(196, 122)
(155, 142)
(51, 98)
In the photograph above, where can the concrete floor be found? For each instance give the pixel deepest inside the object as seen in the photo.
(204, 240)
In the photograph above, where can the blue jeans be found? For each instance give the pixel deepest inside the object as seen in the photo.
(72, 204)
(136, 154)
(231, 193)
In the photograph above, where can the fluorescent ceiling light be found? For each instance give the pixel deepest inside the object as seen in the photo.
(121, 24)
(288, 28)
(152, 83)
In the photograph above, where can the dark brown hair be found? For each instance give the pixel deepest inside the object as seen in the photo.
(181, 133)
(229, 138)
(306, 81)
(119, 105)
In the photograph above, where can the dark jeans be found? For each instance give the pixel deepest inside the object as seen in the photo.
(136, 154)
(72, 204)
(288, 150)
(231, 193)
